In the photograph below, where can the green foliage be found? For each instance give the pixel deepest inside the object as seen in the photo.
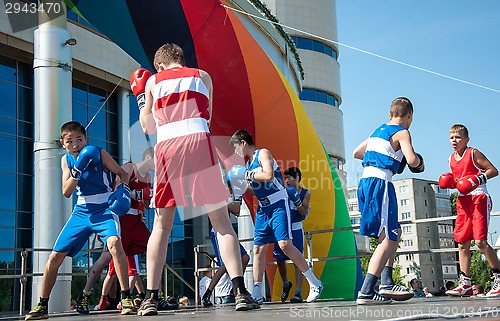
(480, 270)
(453, 203)
(7, 286)
(269, 16)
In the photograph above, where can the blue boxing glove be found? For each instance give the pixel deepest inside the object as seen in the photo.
(87, 155)
(294, 196)
(420, 168)
(119, 200)
(236, 177)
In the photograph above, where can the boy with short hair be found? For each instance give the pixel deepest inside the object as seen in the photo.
(384, 154)
(272, 220)
(470, 170)
(298, 212)
(88, 171)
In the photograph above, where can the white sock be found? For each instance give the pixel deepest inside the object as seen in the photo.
(257, 290)
(311, 278)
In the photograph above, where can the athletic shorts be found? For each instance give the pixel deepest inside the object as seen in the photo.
(215, 243)
(298, 242)
(379, 208)
(85, 220)
(132, 262)
(135, 234)
(188, 172)
(272, 223)
(473, 216)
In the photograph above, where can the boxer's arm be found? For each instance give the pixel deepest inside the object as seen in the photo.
(207, 80)
(266, 162)
(359, 151)
(146, 115)
(305, 204)
(68, 183)
(404, 139)
(480, 159)
(111, 165)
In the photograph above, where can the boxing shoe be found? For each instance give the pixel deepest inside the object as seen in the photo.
(286, 291)
(314, 293)
(372, 299)
(464, 288)
(395, 292)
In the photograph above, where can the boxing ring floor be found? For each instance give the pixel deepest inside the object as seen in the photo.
(436, 308)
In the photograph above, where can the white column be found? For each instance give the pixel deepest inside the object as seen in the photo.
(246, 231)
(53, 73)
(123, 126)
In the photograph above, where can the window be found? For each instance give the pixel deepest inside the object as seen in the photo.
(408, 270)
(409, 257)
(408, 242)
(319, 96)
(432, 270)
(314, 45)
(404, 202)
(352, 194)
(430, 245)
(430, 257)
(425, 202)
(403, 189)
(406, 229)
(353, 207)
(405, 215)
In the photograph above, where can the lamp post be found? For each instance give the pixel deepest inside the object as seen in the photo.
(491, 236)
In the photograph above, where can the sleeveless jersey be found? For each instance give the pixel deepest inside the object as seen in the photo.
(136, 183)
(179, 94)
(379, 152)
(294, 213)
(465, 166)
(264, 189)
(95, 179)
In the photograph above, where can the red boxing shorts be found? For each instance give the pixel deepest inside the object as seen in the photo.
(473, 216)
(132, 266)
(134, 234)
(188, 172)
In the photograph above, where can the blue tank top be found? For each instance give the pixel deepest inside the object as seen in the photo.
(95, 179)
(379, 152)
(294, 213)
(264, 189)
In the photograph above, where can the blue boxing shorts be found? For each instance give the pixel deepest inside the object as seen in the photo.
(379, 208)
(272, 223)
(297, 241)
(85, 220)
(215, 243)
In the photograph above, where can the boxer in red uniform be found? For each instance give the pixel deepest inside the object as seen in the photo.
(177, 105)
(470, 170)
(135, 234)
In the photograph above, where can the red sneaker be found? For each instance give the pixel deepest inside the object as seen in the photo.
(463, 289)
(103, 303)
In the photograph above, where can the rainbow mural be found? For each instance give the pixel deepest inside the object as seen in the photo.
(250, 92)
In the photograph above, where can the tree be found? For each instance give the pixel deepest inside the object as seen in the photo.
(453, 203)
(480, 270)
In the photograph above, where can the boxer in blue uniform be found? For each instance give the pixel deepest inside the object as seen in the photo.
(299, 210)
(272, 220)
(233, 207)
(88, 171)
(384, 154)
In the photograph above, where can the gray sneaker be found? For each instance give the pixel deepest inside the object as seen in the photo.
(245, 302)
(395, 292)
(148, 307)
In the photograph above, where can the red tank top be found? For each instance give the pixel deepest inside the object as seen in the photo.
(136, 183)
(465, 165)
(179, 94)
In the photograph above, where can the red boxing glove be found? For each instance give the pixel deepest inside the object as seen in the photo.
(140, 206)
(468, 183)
(446, 180)
(138, 81)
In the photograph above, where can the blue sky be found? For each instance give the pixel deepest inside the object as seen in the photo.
(457, 38)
